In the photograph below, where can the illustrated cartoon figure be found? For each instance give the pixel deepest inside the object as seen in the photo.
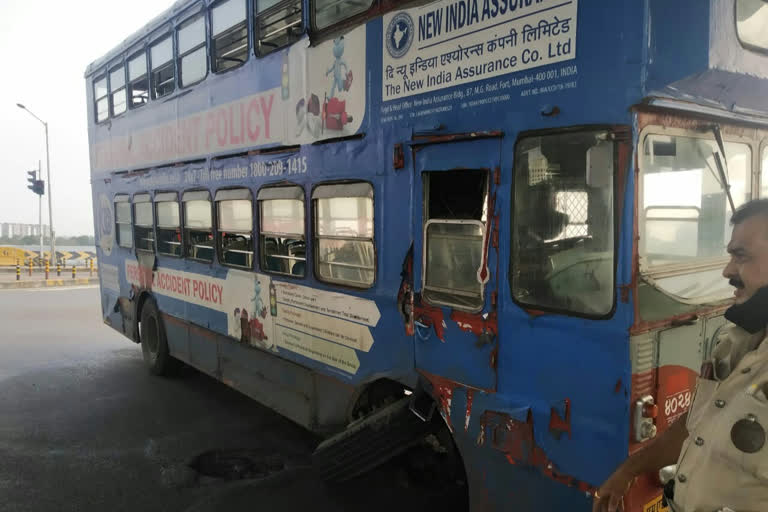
(338, 77)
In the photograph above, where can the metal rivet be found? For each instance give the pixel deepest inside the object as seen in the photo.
(720, 403)
(681, 478)
(746, 370)
(699, 441)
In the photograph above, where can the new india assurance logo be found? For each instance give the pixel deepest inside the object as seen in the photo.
(399, 35)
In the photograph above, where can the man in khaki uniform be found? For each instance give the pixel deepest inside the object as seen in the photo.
(720, 444)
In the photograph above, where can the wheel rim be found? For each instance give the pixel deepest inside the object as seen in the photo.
(150, 336)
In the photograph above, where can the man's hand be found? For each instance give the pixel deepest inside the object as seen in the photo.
(610, 496)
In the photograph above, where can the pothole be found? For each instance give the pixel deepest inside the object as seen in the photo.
(236, 464)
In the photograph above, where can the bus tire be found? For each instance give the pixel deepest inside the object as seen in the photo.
(154, 345)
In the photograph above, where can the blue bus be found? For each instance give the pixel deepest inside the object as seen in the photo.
(498, 223)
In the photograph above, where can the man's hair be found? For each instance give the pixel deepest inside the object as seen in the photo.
(750, 209)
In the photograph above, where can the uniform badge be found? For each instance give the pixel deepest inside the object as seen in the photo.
(748, 435)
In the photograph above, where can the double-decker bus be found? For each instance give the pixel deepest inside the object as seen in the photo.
(501, 222)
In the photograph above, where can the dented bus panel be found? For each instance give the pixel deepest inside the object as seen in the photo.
(502, 219)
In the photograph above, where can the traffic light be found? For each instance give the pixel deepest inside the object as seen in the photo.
(35, 185)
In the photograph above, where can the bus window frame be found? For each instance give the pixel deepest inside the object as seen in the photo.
(160, 198)
(217, 230)
(682, 268)
(761, 169)
(166, 34)
(375, 9)
(145, 76)
(212, 212)
(211, 37)
(135, 225)
(110, 70)
(747, 46)
(261, 232)
(316, 238)
(123, 198)
(104, 76)
(204, 44)
(282, 4)
(619, 176)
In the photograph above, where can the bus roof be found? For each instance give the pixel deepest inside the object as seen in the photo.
(150, 27)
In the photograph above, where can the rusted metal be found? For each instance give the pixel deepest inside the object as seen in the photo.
(641, 327)
(559, 425)
(424, 140)
(398, 157)
(516, 441)
(430, 316)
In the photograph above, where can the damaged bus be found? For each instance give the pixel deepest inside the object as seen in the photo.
(499, 224)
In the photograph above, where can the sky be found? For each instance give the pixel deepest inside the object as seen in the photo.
(45, 47)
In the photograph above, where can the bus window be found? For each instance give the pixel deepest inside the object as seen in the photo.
(752, 23)
(117, 90)
(235, 227)
(163, 74)
(281, 233)
(344, 252)
(123, 226)
(330, 12)
(563, 247)
(138, 80)
(101, 99)
(229, 29)
(198, 225)
(143, 229)
(276, 24)
(168, 224)
(455, 216)
(193, 59)
(764, 173)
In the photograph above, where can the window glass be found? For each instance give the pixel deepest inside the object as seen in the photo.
(752, 22)
(144, 230)
(344, 241)
(191, 35)
(455, 209)
(100, 88)
(226, 15)
(230, 35)
(684, 205)
(117, 78)
(563, 230)
(194, 66)
(102, 109)
(263, 5)
(283, 248)
(764, 173)
(118, 102)
(161, 53)
(137, 66)
(235, 223)
(330, 12)
(123, 220)
(198, 230)
(168, 228)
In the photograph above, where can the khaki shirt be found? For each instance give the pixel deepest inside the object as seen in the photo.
(712, 472)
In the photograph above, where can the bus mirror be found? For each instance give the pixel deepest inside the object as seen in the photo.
(600, 164)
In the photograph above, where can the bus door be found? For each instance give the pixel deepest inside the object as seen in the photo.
(455, 260)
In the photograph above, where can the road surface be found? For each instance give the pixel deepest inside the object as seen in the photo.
(84, 427)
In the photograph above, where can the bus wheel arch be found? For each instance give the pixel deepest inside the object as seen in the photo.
(152, 336)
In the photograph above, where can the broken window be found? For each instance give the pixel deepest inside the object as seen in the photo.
(143, 230)
(138, 80)
(168, 224)
(344, 250)
(198, 225)
(235, 222)
(229, 29)
(563, 222)
(455, 210)
(283, 248)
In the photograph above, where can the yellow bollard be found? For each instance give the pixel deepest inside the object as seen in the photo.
(74, 271)
(58, 269)
(91, 259)
(18, 271)
(47, 269)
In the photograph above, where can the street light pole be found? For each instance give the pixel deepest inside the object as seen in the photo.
(50, 199)
(40, 204)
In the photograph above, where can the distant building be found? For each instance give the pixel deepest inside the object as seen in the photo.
(18, 229)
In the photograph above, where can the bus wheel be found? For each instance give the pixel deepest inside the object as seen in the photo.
(154, 345)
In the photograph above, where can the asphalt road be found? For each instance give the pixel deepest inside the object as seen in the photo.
(84, 427)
